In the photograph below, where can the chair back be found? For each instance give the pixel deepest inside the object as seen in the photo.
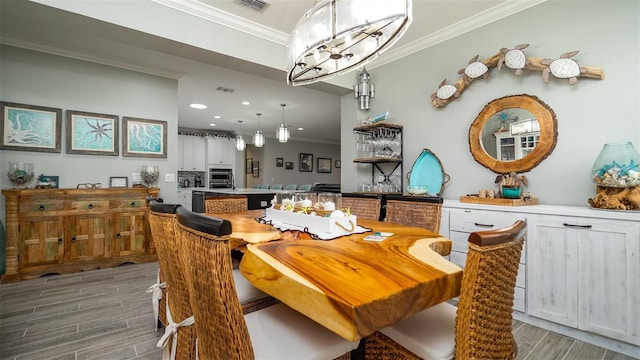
(162, 220)
(363, 207)
(305, 187)
(219, 319)
(256, 186)
(264, 186)
(291, 187)
(276, 186)
(483, 321)
(424, 214)
(222, 204)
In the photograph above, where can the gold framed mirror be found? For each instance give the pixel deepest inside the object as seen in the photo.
(513, 134)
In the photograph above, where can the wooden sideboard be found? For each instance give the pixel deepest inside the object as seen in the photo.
(57, 231)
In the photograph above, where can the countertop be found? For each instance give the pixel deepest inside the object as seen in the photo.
(246, 191)
(193, 188)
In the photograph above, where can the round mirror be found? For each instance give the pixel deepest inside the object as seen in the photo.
(513, 134)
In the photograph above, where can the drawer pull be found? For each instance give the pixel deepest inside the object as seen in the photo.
(59, 241)
(73, 239)
(90, 206)
(41, 208)
(133, 204)
(577, 226)
(483, 225)
(118, 235)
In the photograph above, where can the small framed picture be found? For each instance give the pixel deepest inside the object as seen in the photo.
(249, 166)
(306, 162)
(48, 181)
(279, 162)
(30, 127)
(118, 182)
(337, 164)
(288, 165)
(324, 165)
(256, 169)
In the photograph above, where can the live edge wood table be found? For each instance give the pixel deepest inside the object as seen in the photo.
(350, 285)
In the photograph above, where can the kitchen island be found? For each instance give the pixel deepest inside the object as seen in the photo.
(257, 198)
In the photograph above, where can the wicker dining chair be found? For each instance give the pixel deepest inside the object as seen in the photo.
(481, 325)
(222, 204)
(363, 207)
(275, 332)
(424, 214)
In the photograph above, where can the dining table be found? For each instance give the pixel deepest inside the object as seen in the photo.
(350, 285)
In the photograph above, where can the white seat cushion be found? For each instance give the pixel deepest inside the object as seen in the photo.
(430, 334)
(246, 291)
(279, 332)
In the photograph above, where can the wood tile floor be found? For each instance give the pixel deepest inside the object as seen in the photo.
(107, 314)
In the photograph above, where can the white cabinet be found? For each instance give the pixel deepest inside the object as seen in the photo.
(192, 153)
(462, 222)
(585, 273)
(514, 147)
(184, 198)
(220, 151)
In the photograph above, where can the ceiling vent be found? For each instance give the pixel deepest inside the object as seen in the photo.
(224, 89)
(254, 4)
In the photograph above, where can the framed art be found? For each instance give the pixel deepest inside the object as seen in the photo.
(30, 127)
(288, 165)
(256, 169)
(144, 138)
(118, 182)
(324, 165)
(306, 162)
(249, 166)
(48, 181)
(92, 134)
(279, 162)
(337, 164)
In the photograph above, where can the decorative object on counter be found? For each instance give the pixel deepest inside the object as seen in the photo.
(563, 68)
(144, 138)
(475, 199)
(92, 134)
(617, 177)
(363, 91)
(149, 174)
(258, 138)
(118, 182)
(197, 181)
(511, 185)
(89, 186)
(427, 171)
(30, 127)
(48, 181)
(20, 174)
(240, 143)
(417, 189)
(283, 131)
(338, 36)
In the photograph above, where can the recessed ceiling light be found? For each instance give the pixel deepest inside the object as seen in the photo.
(212, 124)
(245, 102)
(217, 117)
(198, 106)
(300, 129)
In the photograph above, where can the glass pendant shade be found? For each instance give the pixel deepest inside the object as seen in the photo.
(240, 144)
(283, 133)
(338, 36)
(258, 139)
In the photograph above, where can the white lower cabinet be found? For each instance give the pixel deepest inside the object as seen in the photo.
(585, 273)
(184, 198)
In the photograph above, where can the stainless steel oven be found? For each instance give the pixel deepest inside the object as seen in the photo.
(220, 178)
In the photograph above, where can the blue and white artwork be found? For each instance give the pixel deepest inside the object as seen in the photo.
(146, 138)
(27, 127)
(92, 133)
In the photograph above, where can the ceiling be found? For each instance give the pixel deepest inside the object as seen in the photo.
(200, 71)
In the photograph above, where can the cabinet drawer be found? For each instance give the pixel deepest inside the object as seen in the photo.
(459, 241)
(41, 206)
(458, 258)
(90, 205)
(472, 220)
(130, 204)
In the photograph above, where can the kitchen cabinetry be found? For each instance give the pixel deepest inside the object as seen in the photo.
(379, 145)
(587, 274)
(514, 147)
(192, 153)
(220, 151)
(184, 197)
(70, 230)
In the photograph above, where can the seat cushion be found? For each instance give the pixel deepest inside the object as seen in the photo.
(430, 334)
(246, 291)
(279, 332)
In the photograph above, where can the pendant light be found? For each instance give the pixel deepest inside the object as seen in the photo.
(258, 138)
(240, 144)
(283, 131)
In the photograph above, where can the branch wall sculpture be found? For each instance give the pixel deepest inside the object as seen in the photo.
(563, 67)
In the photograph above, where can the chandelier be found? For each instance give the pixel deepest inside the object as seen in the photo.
(240, 143)
(258, 138)
(337, 36)
(283, 131)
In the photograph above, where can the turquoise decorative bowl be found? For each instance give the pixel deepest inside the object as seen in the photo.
(511, 192)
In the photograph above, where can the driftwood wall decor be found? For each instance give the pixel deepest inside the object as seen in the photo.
(564, 67)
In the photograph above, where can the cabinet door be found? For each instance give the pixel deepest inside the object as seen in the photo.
(129, 230)
(86, 237)
(181, 150)
(609, 279)
(199, 153)
(220, 151)
(41, 241)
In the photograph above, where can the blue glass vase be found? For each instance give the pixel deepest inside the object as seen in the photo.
(617, 166)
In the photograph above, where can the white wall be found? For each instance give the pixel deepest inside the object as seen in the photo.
(590, 113)
(36, 78)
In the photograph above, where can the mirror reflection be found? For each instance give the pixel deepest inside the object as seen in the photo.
(510, 134)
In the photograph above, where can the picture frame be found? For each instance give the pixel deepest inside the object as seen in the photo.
(279, 162)
(48, 181)
(144, 138)
(92, 133)
(30, 127)
(118, 182)
(248, 166)
(306, 162)
(324, 165)
(288, 165)
(337, 164)
(256, 169)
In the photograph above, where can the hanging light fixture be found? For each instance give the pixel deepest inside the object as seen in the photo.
(337, 36)
(283, 132)
(258, 138)
(240, 144)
